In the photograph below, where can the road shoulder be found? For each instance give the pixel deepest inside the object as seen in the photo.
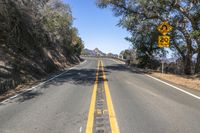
(185, 84)
(20, 89)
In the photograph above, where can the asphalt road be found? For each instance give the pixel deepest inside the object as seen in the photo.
(141, 104)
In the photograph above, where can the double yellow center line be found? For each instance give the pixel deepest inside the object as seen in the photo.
(112, 116)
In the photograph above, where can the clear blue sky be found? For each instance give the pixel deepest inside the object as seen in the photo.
(97, 27)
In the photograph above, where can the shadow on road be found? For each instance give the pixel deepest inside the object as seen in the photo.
(28, 96)
(87, 76)
(24, 97)
(78, 77)
(81, 77)
(122, 67)
(75, 76)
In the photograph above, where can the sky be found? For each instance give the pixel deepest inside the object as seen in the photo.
(97, 27)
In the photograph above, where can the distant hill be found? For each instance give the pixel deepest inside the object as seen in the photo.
(112, 55)
(98, 52)
(88, 52)
(95, 52)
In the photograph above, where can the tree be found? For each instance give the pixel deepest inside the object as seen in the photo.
(134, 13)
(36, 34)
(57, 19)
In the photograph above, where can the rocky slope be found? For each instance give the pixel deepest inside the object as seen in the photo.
(33, 42)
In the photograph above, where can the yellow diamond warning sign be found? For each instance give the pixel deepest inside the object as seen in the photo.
(164, 28)
(163, 41)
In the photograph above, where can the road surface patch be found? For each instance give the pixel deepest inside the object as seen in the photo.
(177, 88)
(40, 84)
(112, 116)
(101, 117)
(89, 127)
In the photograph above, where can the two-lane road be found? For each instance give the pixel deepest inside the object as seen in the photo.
(140, 104)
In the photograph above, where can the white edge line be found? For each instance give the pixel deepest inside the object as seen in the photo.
(186, 92)
(80, 130)
(34, 87)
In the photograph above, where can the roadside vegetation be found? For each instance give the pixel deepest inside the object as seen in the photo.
(188, 81)
(141, 18)
(37, 38)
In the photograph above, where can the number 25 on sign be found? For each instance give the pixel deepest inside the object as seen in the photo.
(163, 41)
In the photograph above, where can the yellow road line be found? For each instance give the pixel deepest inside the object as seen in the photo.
(90, 120)
(112, 116)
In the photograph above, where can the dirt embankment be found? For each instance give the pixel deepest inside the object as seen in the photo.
(192, 82)
(26, 71)
(34, 42)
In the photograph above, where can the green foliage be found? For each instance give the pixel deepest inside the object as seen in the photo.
(126, 54)
(195, 34)
(140, 18)
(37, 35)
(57, 19)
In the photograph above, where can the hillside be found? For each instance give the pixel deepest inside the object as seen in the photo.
(33, 42)
(95, 52)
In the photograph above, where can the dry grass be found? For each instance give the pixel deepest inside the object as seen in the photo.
(192, 82)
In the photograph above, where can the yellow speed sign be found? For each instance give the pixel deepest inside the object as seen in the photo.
(163, 41)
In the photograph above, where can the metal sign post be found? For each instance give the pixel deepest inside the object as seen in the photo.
(162, 66)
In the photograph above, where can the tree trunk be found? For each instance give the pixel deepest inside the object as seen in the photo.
(197, 65)
(187, 64)
(189, 53)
